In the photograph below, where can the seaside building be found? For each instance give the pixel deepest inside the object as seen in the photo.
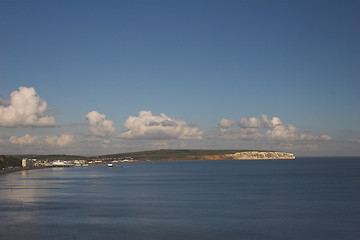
(25, 162)
(59, 163)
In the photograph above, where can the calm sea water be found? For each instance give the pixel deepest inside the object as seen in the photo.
(306, 198)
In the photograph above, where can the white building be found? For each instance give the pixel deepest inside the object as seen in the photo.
(25, 162)
(59, 163)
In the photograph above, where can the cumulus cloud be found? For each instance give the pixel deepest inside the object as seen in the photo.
(226, 123)
(282, 131)
(264, 129)
(27, 139)
(249, 123)
(25, 108)
(262, 122)
(98, 125)
(147, 126)
(62, 140)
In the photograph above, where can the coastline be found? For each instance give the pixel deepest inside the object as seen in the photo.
(169, 156)
(16, 169)
(190, 158)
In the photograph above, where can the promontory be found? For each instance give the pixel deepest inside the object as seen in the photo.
(202, 154)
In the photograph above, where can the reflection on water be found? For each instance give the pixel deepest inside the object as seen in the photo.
(301, 199)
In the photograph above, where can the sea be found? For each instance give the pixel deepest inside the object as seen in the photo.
(305, 198)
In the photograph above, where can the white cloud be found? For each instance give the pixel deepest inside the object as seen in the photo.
(276, 121)
(226, 123)
(62, 140)
(98, 125)
(308, 137)
(25, 108)
(249, 123)
(281, 131)
(27, 139)
(147, 126)
(262, 122)
(264, 129)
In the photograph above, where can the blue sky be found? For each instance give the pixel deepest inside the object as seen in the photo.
(195, 62)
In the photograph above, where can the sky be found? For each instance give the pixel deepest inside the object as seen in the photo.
(102, 77)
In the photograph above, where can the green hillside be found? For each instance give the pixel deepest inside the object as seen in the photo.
(166, 154)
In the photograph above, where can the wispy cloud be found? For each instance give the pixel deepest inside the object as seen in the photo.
(25, 109)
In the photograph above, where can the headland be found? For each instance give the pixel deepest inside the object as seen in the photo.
(16, 163)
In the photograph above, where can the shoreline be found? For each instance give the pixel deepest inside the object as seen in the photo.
(17, 169)
(207, 158)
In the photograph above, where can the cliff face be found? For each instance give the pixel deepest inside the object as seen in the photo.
(261, 155)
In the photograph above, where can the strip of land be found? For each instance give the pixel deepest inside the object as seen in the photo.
(15, 163)
(200, 154)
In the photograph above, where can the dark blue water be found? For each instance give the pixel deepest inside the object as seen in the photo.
(306, 198)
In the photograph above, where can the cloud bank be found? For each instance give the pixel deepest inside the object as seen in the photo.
(27, 139)
(264, 129)
(25, 109)
(98, 125)
(147, 126)
(61, 140)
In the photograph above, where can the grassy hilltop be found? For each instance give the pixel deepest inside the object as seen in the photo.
(176, 154)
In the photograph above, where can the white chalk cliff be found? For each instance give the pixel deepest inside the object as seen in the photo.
(261, 155)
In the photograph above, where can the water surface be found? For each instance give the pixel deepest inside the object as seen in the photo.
(306, 198)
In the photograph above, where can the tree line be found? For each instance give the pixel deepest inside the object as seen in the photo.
(9, 161)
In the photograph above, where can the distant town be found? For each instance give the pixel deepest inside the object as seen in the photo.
(33, 162)
(10, 163)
